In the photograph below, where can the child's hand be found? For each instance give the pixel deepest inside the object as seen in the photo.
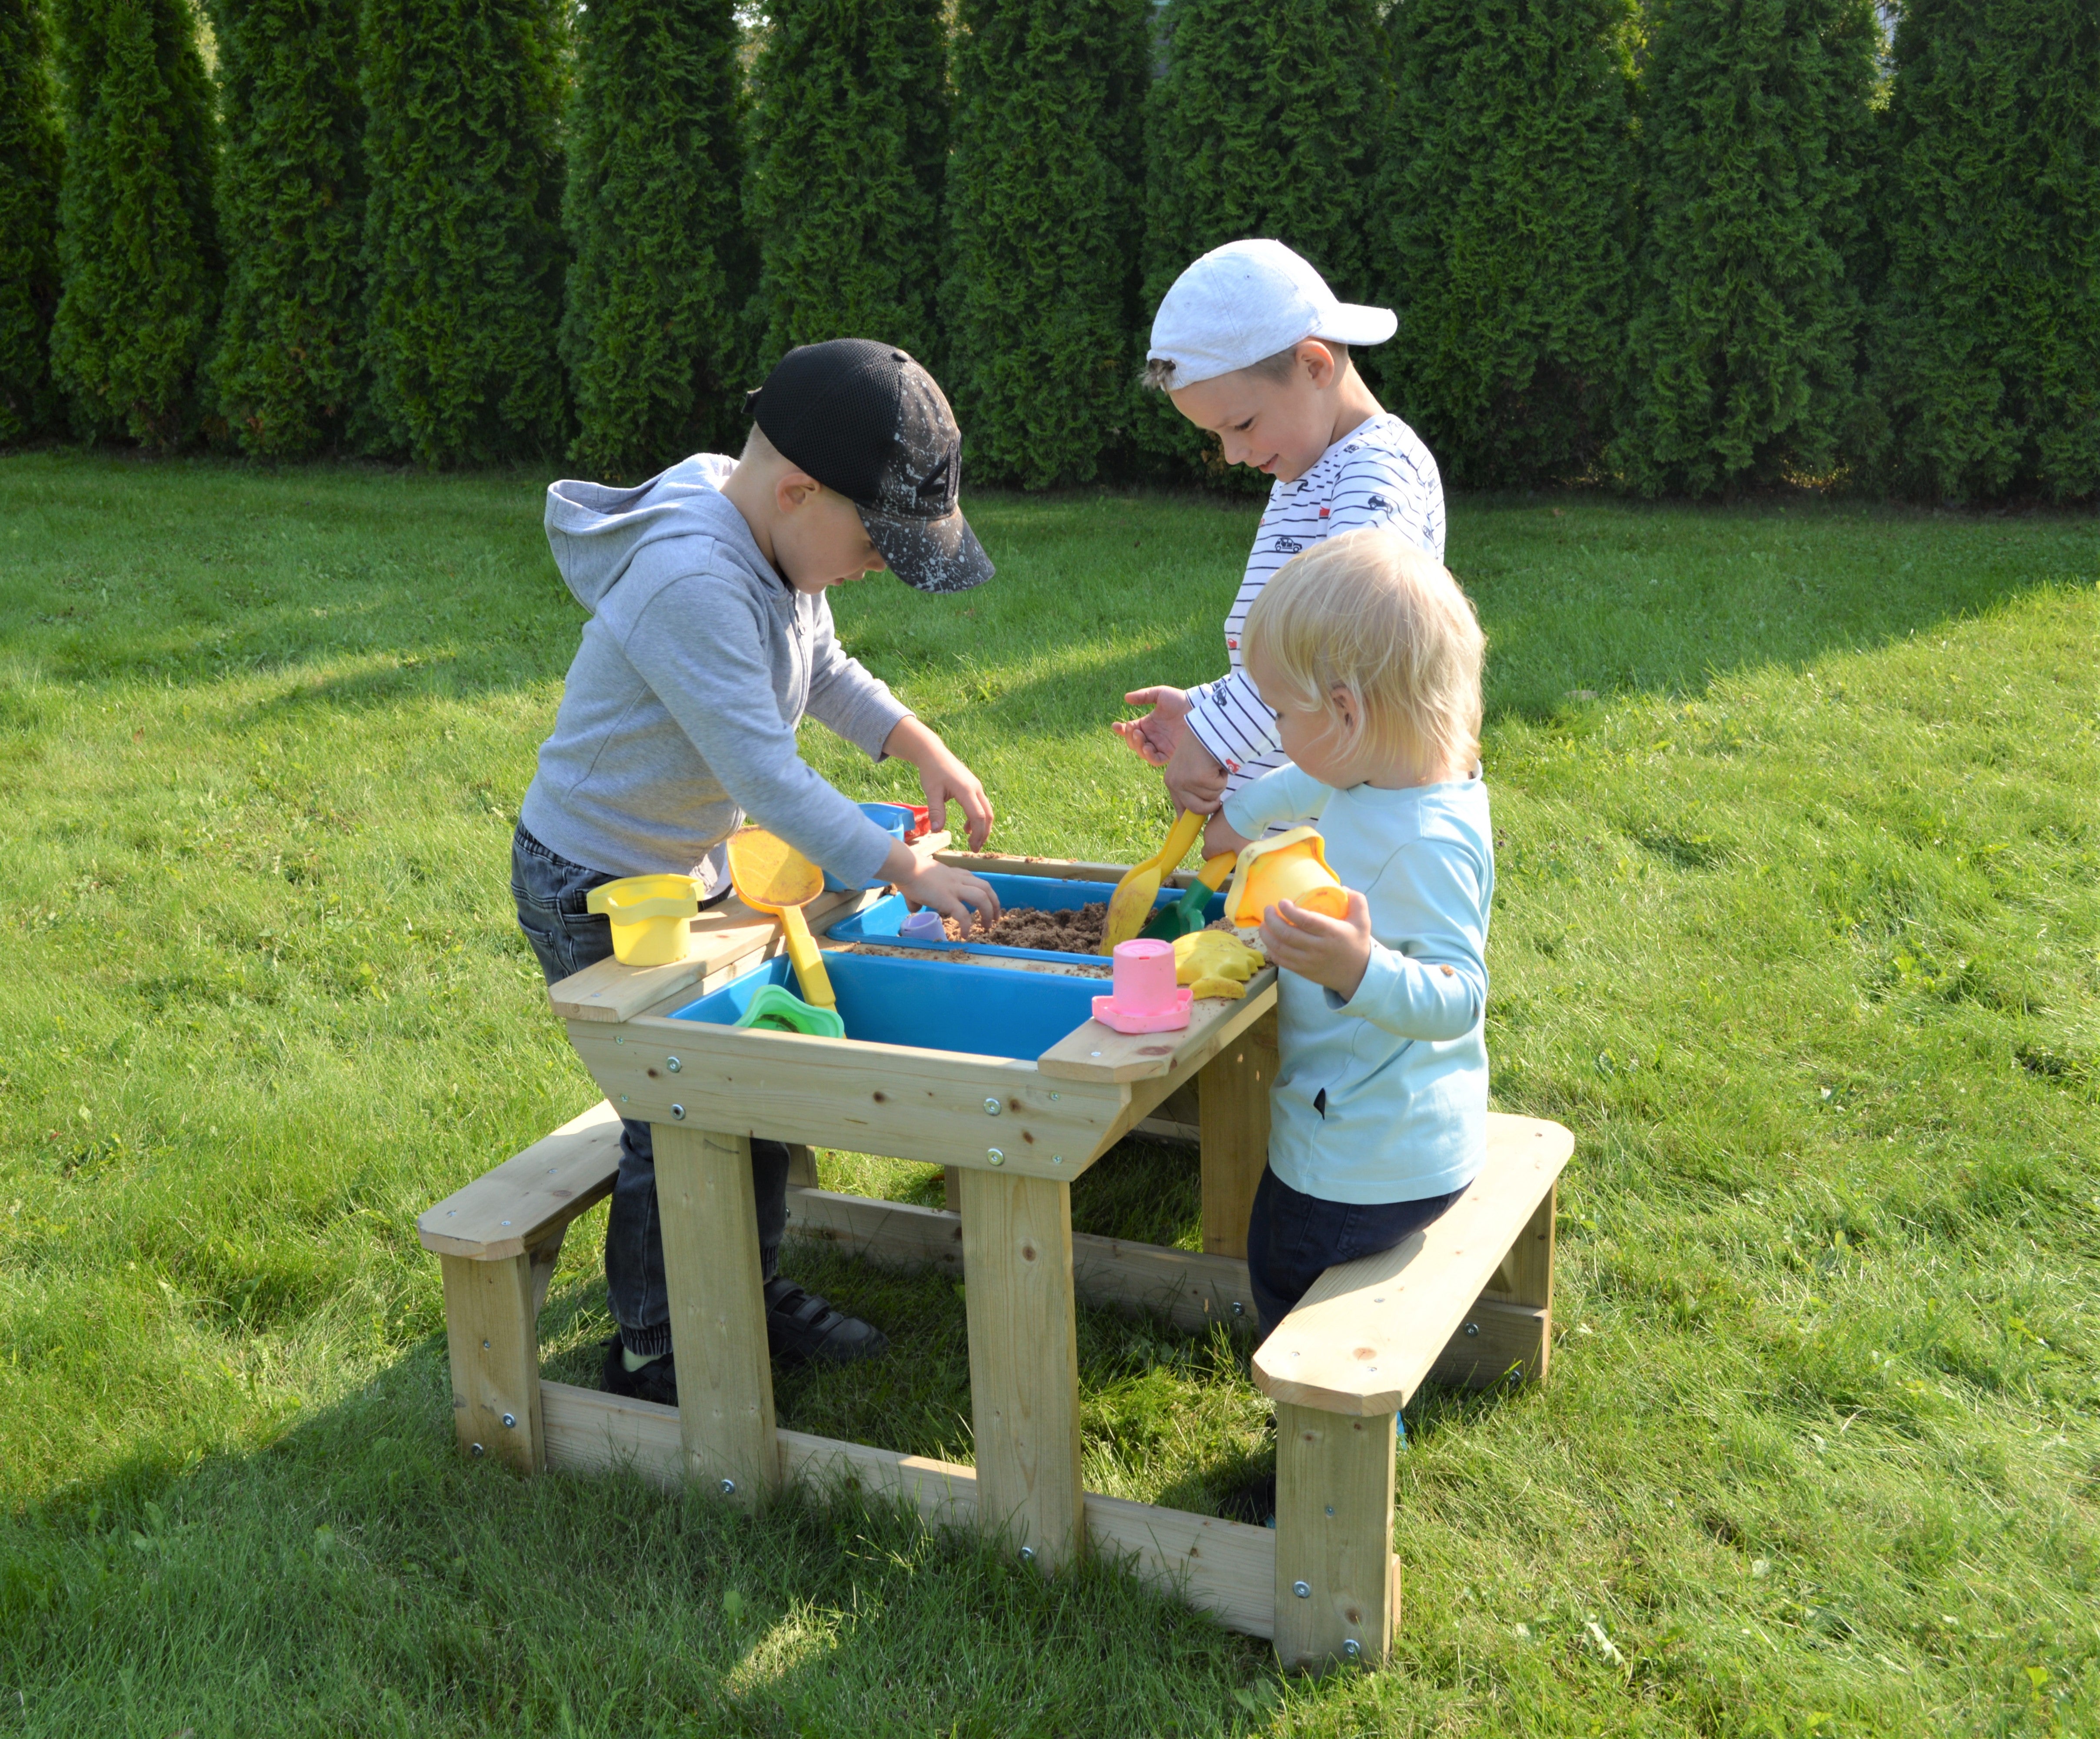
(943, 778)
(1159, 733)
(1333, 951)
(951, 892)
(1193, 780)
(1218, 836)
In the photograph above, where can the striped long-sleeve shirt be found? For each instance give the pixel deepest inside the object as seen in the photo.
(1378, 473)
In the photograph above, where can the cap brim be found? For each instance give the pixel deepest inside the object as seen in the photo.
(935, 555)
(1352, 323)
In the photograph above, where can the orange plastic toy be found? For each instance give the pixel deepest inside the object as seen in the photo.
(1292, 867)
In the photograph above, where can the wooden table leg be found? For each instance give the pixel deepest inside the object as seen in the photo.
(1024, 1361)
(1333, 1538)
(1233, 1087)
(711, 1269)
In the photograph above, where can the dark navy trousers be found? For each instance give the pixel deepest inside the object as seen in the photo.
(550, 892)
(1294, 1238)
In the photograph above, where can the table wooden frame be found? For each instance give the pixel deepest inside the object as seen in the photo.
(1323, 1584)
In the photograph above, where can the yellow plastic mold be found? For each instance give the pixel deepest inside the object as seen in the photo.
(1292, 867)
(1215, 963)
(652, 917)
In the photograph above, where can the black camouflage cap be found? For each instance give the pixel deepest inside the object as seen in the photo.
(864, 419)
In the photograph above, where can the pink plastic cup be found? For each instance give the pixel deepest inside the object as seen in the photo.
(1146, 998)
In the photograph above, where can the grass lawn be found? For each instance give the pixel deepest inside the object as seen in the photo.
(1799, 930)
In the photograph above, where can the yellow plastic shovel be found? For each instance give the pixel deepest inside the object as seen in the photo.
(1130, 904)
(771, 875)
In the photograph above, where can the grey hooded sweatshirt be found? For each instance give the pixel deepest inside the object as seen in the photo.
(697, 664)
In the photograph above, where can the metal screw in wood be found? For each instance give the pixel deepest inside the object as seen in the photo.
(1303, 1590)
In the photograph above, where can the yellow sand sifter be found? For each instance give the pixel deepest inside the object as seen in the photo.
(771, 875)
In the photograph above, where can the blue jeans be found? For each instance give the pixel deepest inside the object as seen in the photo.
(1293, 1239)
(550, 892)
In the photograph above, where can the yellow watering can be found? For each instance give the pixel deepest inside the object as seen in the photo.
(1292, 867)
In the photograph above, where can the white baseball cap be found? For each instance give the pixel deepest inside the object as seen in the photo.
(1248, 300)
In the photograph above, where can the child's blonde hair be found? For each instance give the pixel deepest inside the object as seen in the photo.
(1373, 613)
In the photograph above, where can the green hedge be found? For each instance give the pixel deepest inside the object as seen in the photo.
(463, 247)
(1987, 328)
(1267, 121)
(1040, 291)
(653, 210)
(138, 252)
(1681, 246)
(30, 154)
(1508, 191)
(845, 198)
(288, 365)
(1744, 343)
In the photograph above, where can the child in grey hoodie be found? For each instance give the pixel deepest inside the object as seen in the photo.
(709, 637)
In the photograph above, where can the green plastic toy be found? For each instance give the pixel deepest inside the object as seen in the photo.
(1185, 915)
(777, 1009)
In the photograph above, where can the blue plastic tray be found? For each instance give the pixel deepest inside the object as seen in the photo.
(987, 1011)
(893, 818)
(879, 922)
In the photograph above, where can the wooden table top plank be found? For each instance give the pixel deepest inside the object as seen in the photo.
(1363, 1339)
(723, 936)
(1094, 1053)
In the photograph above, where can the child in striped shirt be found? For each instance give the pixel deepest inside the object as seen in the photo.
(1250, 344)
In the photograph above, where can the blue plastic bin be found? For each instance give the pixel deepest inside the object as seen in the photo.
(894, 819)
(945, 1005)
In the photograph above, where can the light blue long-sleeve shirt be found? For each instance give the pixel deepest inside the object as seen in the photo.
(1384, 1097)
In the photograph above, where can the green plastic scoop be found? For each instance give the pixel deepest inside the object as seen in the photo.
(1185, 915)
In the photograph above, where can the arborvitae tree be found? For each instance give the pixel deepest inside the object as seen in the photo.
(463, 251)
(655, 214)
(291, 205)
(1267, 121)
(1508, 193)
(1040, 291)
(1742, 349)
(1986, 338)
(139, 255)
(851, 133)
(30, 154)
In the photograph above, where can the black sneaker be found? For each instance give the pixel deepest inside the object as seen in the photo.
(656, 1381)
(1253, 1502)
(800, 1325)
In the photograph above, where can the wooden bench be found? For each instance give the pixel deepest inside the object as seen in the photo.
(496, 1241)
(498, 1238)
(1468, 1303)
